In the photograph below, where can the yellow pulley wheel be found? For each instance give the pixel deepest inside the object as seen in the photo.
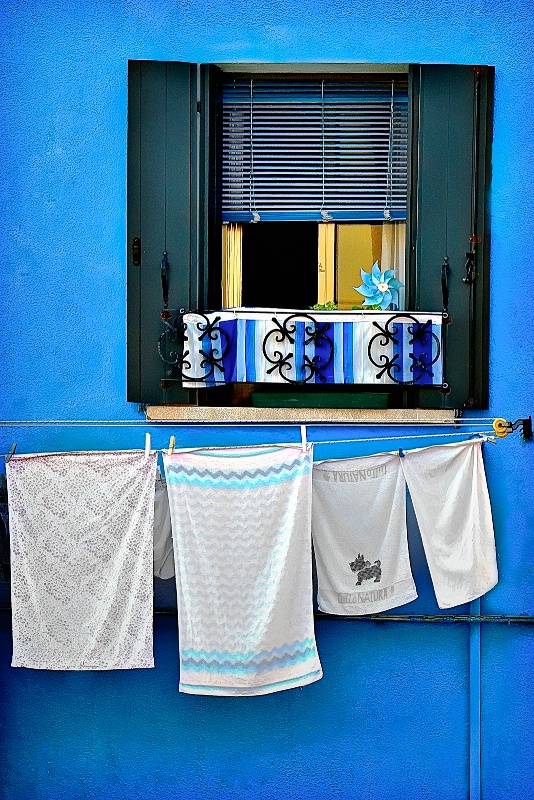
(501, 427)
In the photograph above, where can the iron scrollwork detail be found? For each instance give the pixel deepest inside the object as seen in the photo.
(284, 334)
(209, 332)
(202, 344)
(388, 334)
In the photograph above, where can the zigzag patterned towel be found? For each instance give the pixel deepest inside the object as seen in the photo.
(81, 559)
(242, 541)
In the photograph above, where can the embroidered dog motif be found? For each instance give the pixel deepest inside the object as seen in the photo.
(365, 569)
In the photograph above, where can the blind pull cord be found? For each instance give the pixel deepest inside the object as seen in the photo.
(253, 209)
(389, 183)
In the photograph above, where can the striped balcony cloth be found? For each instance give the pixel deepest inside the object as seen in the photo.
(272, 346)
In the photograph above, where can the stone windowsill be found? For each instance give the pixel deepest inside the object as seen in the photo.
(357, 416)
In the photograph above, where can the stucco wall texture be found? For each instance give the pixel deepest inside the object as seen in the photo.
(391, 717)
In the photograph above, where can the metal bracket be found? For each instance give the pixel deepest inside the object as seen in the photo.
(470, 269)
(502, 427)
(165, 279)
(136, 252)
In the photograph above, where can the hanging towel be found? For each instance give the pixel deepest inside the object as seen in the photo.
(81, 549)
(447, 484)
(163, 553)
(5, 570)
(359, 535)
(241, 523)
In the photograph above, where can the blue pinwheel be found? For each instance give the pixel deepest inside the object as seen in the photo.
(379, 288)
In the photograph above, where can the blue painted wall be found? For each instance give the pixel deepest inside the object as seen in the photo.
(391, 716)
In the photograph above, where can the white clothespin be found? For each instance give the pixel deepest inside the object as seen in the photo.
(485, 438)
(12, 449)
(147, 445)
(172, 442)
(303, 438)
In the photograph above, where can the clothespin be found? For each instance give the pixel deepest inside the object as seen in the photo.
(11, 452)
(303, 438)
(172, 442)
(147, 445)
(401, 452)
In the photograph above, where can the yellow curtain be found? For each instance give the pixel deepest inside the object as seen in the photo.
(326, 260)
(232, 264)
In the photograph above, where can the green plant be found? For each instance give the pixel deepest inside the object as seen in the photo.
(376, 307)
(329, 306)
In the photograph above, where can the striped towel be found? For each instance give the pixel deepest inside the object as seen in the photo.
(242, 539)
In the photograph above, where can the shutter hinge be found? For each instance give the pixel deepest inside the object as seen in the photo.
(199, 107)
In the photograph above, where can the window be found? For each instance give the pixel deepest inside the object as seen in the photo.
(188, 246)
(323, 160)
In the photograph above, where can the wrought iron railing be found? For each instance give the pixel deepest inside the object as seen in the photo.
(298, 347)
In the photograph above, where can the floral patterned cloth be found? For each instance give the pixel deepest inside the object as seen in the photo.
(81, 559)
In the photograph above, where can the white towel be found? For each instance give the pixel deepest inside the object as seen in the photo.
(81, 559)
(241, 524)
(163, 551)
(447, 484)
(360, 537)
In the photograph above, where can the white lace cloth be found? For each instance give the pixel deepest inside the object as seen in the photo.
(82, 552)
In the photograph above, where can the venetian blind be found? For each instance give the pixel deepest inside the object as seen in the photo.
(314, 150)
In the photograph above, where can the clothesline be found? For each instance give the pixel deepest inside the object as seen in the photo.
(499, 427)
(485, 435)
(239, 525)
(412, 422)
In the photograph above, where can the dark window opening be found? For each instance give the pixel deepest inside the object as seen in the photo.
(280, 264)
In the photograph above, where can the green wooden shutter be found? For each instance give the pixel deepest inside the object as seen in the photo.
(451, 130)
(169, 209)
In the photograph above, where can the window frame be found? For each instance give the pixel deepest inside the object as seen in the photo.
(185, 193)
